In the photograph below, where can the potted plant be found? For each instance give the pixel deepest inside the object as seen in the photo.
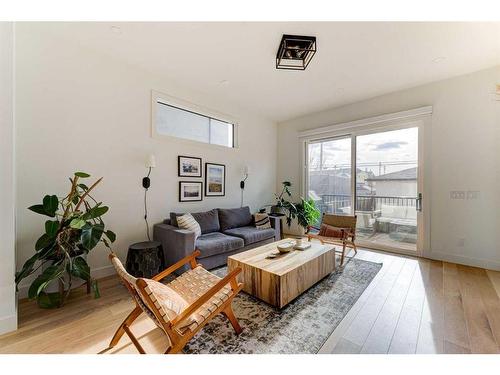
(305, 211)
(75, 228)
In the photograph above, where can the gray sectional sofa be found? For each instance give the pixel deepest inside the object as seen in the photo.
(223, 232)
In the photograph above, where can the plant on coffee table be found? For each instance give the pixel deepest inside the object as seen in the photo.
(75, 229)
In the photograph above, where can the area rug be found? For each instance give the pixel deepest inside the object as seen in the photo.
(300, 327)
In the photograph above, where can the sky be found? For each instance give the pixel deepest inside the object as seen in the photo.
(399, 146)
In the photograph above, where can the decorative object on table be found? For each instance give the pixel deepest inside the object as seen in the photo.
(190, 191)
(305, 211)
(167, 304)
(295, 52)
(146, 183)
(285, 247)
(262, 221)
(189, 166)
(215, 180)
(336, 230)
(301, 245)
(242, 182)
(145, 259)
(301, 328)
(75, 229)
(188, 222)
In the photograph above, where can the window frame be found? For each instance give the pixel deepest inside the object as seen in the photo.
(183, 105)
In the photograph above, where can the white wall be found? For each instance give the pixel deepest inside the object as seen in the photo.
(79, 110)
(8, 310)
(464, 147)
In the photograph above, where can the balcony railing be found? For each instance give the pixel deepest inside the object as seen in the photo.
(335, 203)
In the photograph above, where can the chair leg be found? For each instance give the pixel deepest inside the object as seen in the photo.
(343, 254)
(228, 312)
(126, 323)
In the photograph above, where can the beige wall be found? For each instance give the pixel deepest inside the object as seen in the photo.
(465, 155)
(78, 110)
(8, 313)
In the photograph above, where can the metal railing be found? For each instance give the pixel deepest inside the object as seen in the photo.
(334, 203)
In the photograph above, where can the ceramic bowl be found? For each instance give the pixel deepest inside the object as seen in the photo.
(286, 247)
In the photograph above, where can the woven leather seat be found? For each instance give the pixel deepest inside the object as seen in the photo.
(181, 307)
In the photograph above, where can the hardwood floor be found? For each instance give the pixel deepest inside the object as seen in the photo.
(412, 306)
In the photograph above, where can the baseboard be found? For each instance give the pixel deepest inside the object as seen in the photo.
(461, 259)
(8, 324)
(97, 273)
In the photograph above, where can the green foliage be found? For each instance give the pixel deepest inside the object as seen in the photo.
(76, 228)
(305, 211)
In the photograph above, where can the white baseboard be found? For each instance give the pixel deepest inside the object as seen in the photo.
(8, 324)
(97, 273)
(461, 259)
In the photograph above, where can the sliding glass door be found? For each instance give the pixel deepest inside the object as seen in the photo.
(373, 175)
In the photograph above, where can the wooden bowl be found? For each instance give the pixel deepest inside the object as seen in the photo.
(286, 247)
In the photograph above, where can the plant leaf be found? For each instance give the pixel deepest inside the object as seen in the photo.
(39, 209)
(95, 286)
(51, 227)
(77, 223)
(27, 268)
(94, 212)
(44, 241)
(83, 187)
(111, 235)
(91, 234)
(40, 283)
(50, 204)
(80, 268)
(82, 174)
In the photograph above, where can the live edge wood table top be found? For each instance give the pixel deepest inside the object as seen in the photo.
(280, 280)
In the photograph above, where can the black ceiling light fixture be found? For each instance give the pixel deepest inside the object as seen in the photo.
(295, 52)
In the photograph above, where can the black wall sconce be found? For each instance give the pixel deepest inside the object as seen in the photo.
(146, 183)
(242, 182)
(295, 52)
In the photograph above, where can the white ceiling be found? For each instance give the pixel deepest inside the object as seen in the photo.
(355, 60)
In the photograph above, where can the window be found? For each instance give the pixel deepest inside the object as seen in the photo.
(177, 122)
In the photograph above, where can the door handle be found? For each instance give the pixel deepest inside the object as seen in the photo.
(418, 202)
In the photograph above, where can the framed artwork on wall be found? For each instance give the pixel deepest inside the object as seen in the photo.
(189, 166)
(215, 180)
(190, 191)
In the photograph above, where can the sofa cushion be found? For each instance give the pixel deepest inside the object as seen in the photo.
(217, 243)
(208, 220)
(234, 217)
(251, 234)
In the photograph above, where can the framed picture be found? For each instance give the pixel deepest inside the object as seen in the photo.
(190, 191)
(189, 166)
(215, 180)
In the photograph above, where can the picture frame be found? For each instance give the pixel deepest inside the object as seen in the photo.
(190, 191)
(215, 180)
(189, 166)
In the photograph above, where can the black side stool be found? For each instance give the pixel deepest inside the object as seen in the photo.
(145, 259)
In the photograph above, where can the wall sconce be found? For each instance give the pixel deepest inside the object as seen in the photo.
(242, 182)
(146, 183)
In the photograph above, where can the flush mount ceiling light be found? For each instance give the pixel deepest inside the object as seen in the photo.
(295, 52)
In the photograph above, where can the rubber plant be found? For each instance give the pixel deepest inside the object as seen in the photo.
(75, 228)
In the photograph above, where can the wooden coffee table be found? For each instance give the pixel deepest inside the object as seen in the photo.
(280, 280)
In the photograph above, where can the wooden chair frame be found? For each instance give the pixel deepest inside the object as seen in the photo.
(347, 237)
(177, 340)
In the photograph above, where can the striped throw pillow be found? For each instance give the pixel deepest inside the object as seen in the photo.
(188, 222)
(262, 221)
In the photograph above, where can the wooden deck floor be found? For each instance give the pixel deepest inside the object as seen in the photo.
(412, 306)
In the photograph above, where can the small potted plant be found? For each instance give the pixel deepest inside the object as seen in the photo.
(75, 228)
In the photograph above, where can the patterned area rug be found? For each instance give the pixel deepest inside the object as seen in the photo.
(300, 327)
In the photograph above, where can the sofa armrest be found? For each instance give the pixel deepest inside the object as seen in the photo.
(276, 224)
(176, 243)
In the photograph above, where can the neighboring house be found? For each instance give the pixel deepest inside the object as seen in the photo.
(396, 184)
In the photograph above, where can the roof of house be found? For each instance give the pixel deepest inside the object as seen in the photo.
(405, 174)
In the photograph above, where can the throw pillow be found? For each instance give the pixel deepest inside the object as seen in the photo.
(331, 231)
(188, 222)
(262, 221)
